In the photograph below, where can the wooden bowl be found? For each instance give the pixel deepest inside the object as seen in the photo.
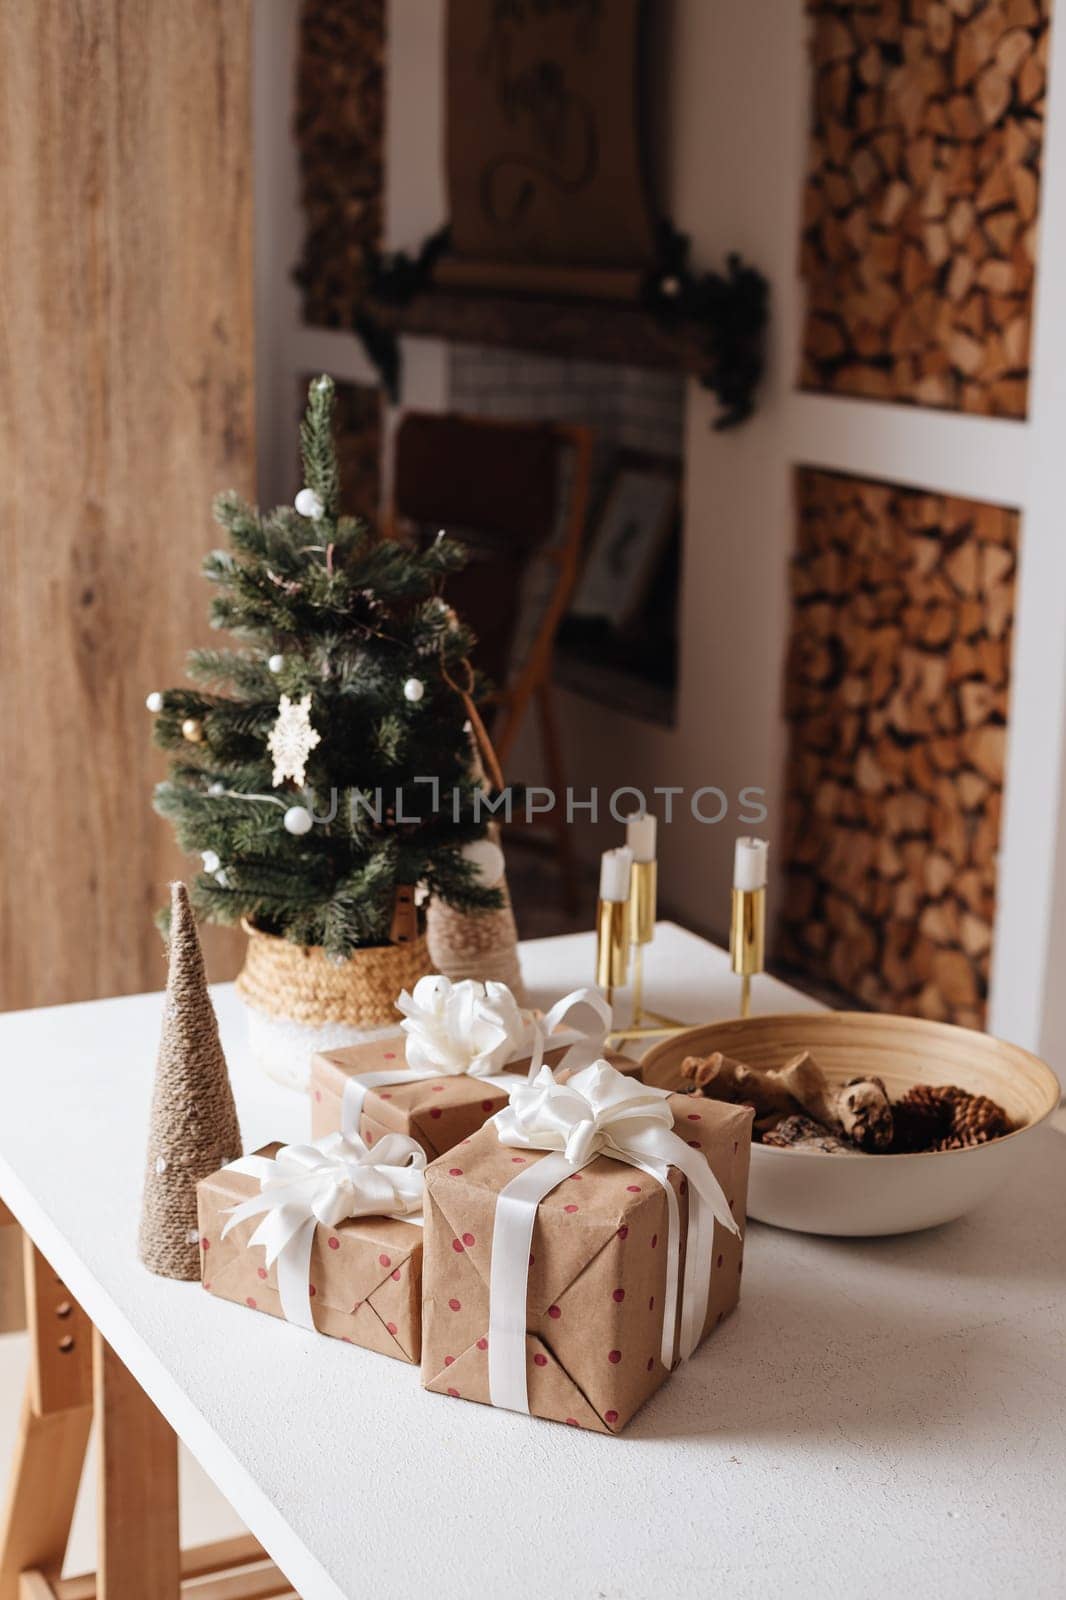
(814, 1192)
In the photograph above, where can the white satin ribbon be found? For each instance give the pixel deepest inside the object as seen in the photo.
(597, 1112)
(326, 1181)
(478, 1029)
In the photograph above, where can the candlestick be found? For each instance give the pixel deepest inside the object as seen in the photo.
(612, 921)
(640, 835)
(747, 928)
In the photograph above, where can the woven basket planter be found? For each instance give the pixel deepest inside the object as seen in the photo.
(300, 1001)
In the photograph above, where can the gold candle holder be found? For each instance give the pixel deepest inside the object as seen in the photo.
(612, 946)
(643, 895)
(747, 940)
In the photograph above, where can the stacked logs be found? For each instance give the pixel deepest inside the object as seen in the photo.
(896, 699)
(920, 207)
(340, 125)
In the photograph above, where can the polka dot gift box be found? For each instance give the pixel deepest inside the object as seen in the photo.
(580, 1244)
(264, 1245)
(451, 1063)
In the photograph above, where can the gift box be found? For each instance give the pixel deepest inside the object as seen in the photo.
(362, 1276)
(436, 1112)
(450, 1064)
(599, 1327)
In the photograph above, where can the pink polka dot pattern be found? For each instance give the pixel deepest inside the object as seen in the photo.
(391, 1327)
(575, 1177)
(572, 1422)
(618, 1295)
(311, 1290)
(610, 1416)
(693, 1144)
(251, 1302)
(455, 1172)
(205, 1244)
(385, 1261)
(469, 1240)
(486, 1105)
(518, 1161)
(436, 1112)
(623, 1232)
(483, 1344)
(318, 1094)
(540, 1361)
(570, 1209)
(614, 1357)
(386, 1096)
(554, 1313)
(694, 1116)
(390, 1055)
(651, 1362)
(718, 1263)
(457, 1246)
(654, 1240)
(438, 1088)
(333, 1242)
(455, 1305)
(261, 1272)
(448, 1360)
(395, 1276)
(632, 1188)
(454, 1394)
(651, 1303)
(368, 1136)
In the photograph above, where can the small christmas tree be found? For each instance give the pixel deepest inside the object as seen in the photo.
(325, 769)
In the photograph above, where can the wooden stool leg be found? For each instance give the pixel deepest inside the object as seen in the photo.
(139, 1557)
(553, 762)
(54, 1431)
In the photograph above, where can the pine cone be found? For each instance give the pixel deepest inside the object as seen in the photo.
(945, 1117)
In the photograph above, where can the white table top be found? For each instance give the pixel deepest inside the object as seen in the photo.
(879, 1417)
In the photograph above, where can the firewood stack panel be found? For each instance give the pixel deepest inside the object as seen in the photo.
(921, 200)
(896, 698)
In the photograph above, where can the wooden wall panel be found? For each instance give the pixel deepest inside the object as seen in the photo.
(897, 706)
(920, 211)
(340, 130)
(127, 402)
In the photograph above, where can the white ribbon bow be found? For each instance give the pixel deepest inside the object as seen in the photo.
(597, 1112)
(479, 1029)
(327, 1181)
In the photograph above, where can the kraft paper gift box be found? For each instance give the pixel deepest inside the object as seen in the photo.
(597, 1274)
(436, 1112)
(364, 1276)
(450, 1063)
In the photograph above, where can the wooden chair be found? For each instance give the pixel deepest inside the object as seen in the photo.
(524, 488)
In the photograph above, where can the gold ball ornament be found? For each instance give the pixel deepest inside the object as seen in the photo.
(193, 730)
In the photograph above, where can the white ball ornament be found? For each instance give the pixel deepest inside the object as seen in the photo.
(487, 858)
(211, 861)
(413, 690)
(216, 788)
(154, 701)
(275, 663)
(308, 504)
(298, 820)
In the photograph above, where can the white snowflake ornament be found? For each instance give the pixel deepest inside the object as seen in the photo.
(292, 739)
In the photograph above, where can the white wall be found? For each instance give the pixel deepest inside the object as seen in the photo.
(732, 153)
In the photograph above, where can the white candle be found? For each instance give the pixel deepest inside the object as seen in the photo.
(615, 867)
(640, 836)
(749, 864)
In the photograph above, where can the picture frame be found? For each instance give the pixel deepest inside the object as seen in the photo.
(638, 513)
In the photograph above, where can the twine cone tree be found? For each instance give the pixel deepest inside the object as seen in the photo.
(194, 1129)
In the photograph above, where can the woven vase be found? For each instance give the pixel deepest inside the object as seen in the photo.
(300, 1001)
